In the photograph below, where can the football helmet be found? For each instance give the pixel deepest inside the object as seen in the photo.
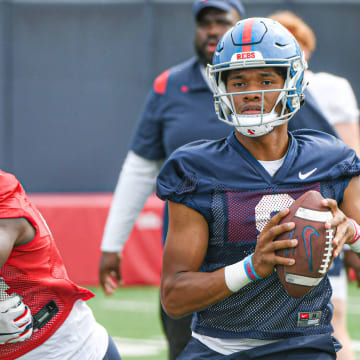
(258, 42)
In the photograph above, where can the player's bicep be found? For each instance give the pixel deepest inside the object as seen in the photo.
(186, 242)
(351, 201)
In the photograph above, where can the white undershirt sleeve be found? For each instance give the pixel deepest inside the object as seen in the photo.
(137, 180)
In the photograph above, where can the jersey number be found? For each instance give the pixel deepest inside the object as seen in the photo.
(268, 206)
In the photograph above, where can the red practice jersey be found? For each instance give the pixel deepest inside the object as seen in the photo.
(35, 270)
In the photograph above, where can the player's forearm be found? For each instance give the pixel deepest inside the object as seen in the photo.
(136, 182)
(193, 291)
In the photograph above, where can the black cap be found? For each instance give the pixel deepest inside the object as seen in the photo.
(224, 5)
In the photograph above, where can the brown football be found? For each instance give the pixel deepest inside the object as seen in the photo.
(313, 254)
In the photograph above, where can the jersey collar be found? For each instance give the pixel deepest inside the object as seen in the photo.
(284, 170)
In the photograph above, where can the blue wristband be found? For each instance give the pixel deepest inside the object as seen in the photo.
(249, 269)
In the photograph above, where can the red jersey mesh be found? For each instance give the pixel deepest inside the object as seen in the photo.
(35, 270)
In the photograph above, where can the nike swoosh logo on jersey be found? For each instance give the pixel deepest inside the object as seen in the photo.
(306, 175)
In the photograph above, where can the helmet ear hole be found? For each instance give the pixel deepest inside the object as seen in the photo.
(302, 99)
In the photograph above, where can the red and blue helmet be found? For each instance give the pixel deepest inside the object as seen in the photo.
(258, 42)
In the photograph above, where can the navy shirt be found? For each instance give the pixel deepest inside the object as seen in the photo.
(178, 110)
(237, 197)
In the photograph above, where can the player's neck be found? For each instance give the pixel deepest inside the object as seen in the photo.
(270, 147)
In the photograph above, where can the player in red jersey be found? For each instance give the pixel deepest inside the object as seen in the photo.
(42, 312)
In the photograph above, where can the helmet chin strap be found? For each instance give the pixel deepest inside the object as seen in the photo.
(256, 130)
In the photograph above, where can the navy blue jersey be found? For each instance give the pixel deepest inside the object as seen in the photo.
(236, 195)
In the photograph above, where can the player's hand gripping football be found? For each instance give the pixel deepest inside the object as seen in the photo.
(109, 272)
(16, 323)
(264, 258)
(344, 229)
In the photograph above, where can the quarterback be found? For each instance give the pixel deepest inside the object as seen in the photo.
(227, 198)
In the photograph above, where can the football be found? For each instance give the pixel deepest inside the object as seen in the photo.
(313, 254)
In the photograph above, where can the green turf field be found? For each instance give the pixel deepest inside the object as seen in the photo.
(131, 316)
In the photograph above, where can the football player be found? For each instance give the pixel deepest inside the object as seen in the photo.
(181, 98)
(43, 314)
(219, 256)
